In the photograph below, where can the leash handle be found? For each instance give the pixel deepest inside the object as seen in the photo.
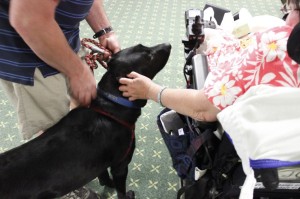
(98, 53)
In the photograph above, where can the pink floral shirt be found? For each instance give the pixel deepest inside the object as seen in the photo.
(237, 64)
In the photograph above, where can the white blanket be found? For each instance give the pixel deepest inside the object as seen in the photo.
(264, 125)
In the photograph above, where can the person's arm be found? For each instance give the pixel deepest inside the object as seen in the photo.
(188, 102)
(98, 20)
(35, 21)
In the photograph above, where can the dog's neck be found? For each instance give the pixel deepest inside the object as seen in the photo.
(119, 100)
(108, 102)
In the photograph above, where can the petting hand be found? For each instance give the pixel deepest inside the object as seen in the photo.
(136, 86)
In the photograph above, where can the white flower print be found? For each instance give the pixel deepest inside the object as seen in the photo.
(224, 92)
(267, 78)
(288, 77)
(274, 45)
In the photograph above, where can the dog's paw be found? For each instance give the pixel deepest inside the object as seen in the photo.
(108, 183)
(130, 195)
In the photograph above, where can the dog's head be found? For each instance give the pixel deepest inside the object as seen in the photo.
(147, 61)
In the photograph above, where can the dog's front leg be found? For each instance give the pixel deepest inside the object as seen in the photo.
(119, 175)
(105, 180)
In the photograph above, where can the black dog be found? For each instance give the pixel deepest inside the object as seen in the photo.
(87, 141)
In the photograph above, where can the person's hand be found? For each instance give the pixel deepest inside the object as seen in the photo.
(110, 42)
(136, 86)
(83, 86)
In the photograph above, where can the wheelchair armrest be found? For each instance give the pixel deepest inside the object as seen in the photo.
(200, 71)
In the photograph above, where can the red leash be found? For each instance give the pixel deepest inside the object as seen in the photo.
(98, 53)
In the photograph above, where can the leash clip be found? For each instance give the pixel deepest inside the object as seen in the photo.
(96, 49)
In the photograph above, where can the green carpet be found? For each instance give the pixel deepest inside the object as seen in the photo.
(147, 22)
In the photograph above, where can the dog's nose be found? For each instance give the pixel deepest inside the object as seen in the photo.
(167, 46)
(163, 48)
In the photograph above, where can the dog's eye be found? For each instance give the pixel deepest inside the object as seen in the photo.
(149, 55)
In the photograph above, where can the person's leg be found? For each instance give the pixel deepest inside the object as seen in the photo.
(40, 106)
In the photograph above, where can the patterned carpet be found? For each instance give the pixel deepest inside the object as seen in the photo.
(147, 22)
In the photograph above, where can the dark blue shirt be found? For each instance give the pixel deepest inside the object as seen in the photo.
(17, 61)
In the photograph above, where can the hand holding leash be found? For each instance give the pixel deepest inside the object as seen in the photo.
(110, 42)
(98, 53)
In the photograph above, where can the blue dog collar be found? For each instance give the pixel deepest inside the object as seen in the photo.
(119, 100)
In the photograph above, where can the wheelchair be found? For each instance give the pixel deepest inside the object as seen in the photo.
(278, 183)
(285, 181)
